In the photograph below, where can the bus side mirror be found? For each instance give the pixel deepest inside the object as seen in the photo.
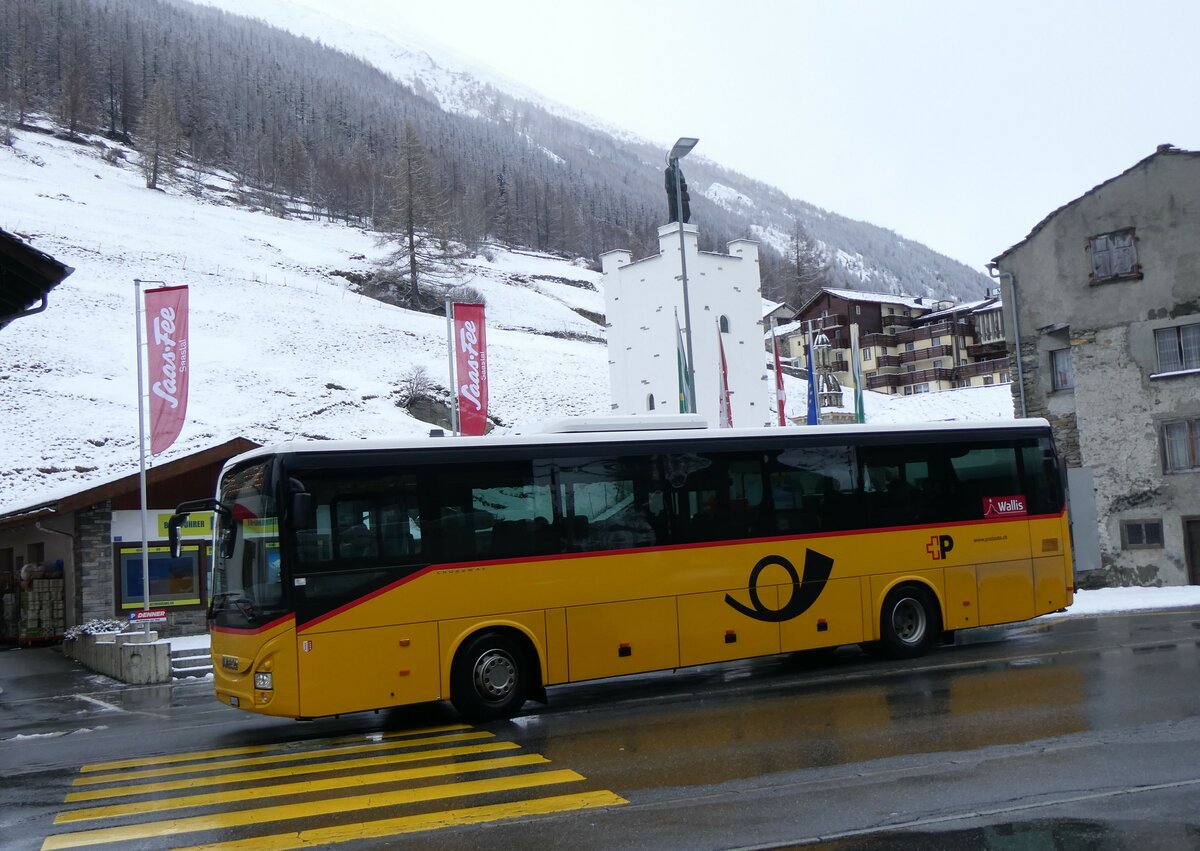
(173, 525)
(304, 511)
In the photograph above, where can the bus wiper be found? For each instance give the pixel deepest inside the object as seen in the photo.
(245, 606)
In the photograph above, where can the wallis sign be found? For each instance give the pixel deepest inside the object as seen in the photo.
(470, 364)
(167, 354)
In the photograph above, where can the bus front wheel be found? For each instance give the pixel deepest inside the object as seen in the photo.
(490, 678)
(909, 623)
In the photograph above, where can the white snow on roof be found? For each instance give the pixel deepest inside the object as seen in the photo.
(881, 298)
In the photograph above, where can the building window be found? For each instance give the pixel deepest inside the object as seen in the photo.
(1178, 348)
(35, 553)
(920, 388)
(724, 324)
(1141, 534)
(1114, 256)
(866, 354)
(1061, 371)
(909, 347)
(987, 380)
(939, 363)
(936, 341)
(1180, 445)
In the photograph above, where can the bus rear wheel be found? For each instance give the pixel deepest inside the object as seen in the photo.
(909, 623)
(490, 678)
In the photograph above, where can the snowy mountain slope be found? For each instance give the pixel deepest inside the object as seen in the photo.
(862, 255)
(457, 83)
(281, 346)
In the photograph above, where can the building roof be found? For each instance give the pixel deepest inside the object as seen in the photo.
(125, 486)
(1162, 150)
(26, 277)
(991, 303)
(769, 307)
(879, 298)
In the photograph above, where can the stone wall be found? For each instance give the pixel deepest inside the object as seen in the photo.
(128, 657)
(95, 592)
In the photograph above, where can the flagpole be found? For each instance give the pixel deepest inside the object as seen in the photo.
(453, 382)
(137, 301)
(780, 398)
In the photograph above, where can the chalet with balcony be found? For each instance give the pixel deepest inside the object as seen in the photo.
(908, 344)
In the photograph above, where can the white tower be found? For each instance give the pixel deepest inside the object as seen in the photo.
(641, 299)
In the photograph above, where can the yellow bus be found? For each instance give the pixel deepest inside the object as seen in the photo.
(353, 576)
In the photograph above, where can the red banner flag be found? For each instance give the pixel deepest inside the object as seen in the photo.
(167, 357)
(780, 398)
(470, 363)
(724, 406)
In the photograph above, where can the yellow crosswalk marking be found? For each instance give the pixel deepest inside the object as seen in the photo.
(249, 749)
(414, 824)
(309, 809)
(302, 787)
(289, 756)
(290, 771)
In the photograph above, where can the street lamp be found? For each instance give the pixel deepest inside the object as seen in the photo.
(678, 151)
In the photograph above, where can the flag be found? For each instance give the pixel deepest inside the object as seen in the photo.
(686, 396)
(856, 375)
(167, 359)
(725, 409)
(780, 399)
(470, 359)
(814, 412)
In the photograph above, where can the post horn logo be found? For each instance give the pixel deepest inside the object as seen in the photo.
(817, 568)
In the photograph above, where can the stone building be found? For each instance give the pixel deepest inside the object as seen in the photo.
(1104, 294)
(642, 299)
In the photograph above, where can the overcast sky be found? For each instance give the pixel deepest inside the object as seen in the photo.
(960, 124)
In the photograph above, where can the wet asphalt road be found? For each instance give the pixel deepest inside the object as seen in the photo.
(1066, 733)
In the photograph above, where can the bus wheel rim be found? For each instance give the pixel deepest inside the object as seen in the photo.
(909, 621)
(495, 675)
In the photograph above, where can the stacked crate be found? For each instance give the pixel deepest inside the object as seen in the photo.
(41, 615)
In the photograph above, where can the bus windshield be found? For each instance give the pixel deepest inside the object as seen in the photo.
(247, 586)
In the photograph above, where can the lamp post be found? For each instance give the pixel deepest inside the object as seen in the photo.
(678, 151)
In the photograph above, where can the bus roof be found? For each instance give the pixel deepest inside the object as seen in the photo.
(626, 436)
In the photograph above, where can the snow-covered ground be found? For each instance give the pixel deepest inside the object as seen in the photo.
(281, 345)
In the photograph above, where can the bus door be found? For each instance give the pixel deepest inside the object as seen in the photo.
(363, 640)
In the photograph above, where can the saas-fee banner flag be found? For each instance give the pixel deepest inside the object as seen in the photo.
(470, 366)
(167, 363)
(724, 403)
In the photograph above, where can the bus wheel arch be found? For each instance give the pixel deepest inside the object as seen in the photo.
(495, 670)
(910, 621)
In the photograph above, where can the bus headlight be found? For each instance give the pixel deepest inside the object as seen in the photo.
(263, 681)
